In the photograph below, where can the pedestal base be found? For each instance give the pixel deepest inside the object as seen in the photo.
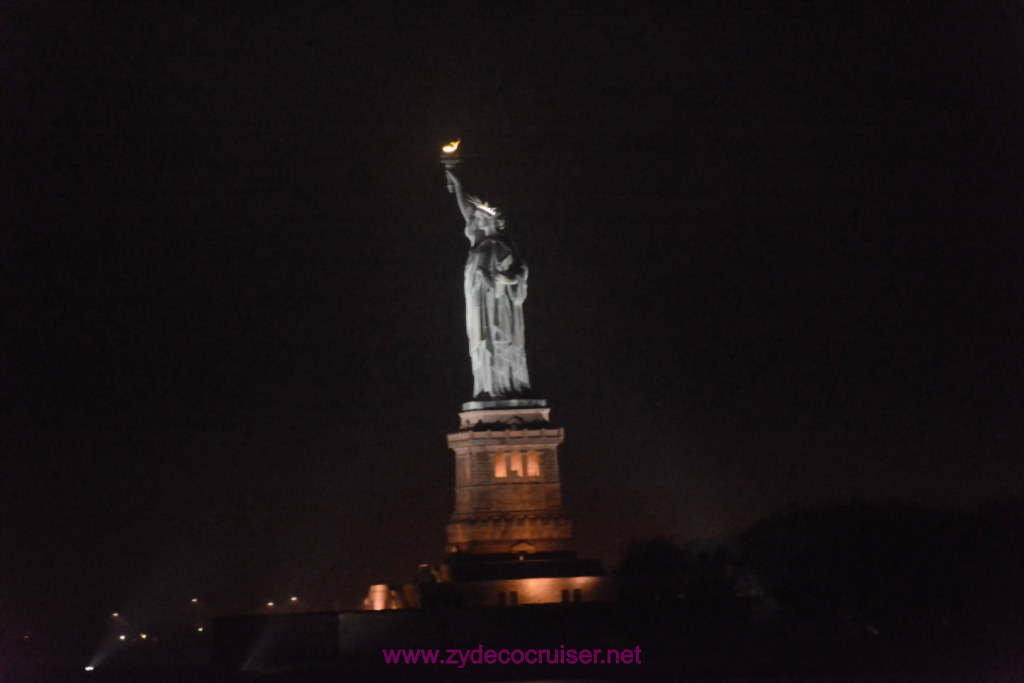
(505, 403)
(500, 414)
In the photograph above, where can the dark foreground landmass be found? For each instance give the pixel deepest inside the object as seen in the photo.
(853, 593)
(676, 643)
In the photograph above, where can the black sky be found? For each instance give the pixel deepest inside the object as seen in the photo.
(775, 258)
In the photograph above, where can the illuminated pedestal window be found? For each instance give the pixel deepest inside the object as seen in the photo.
(533, 464)
(511, 464)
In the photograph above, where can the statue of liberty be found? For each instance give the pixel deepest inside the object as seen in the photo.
(495, 288)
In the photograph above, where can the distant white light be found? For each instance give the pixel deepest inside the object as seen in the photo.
(89, 668)
(116, 614)
(142, 635)
(195, 599)
(200, 629)
(121, 637)
(270, 604)
(293, 599)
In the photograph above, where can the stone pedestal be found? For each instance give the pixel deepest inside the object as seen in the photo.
(508, 497)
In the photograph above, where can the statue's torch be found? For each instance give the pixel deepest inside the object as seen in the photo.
(450, 159)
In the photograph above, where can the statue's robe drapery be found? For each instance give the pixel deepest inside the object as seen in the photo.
(495, 287)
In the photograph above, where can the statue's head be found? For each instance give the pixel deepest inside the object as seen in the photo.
(488, 217)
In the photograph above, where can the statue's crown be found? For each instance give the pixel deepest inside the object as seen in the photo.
(486, 208)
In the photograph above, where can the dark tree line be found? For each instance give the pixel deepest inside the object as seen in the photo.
(850, 569)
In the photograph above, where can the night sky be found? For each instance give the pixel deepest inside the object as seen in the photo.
(775, 259)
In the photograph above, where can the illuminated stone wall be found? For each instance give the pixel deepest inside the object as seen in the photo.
(511, 592)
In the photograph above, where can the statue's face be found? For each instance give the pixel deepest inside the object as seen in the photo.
(488, 225)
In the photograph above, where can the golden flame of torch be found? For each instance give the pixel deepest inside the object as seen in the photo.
(451, 147)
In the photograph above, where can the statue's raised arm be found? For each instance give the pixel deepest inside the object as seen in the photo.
(464, 206)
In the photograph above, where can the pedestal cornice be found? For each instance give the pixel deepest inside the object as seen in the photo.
(502, 417)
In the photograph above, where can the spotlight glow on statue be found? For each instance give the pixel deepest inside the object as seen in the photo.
(495, 289)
